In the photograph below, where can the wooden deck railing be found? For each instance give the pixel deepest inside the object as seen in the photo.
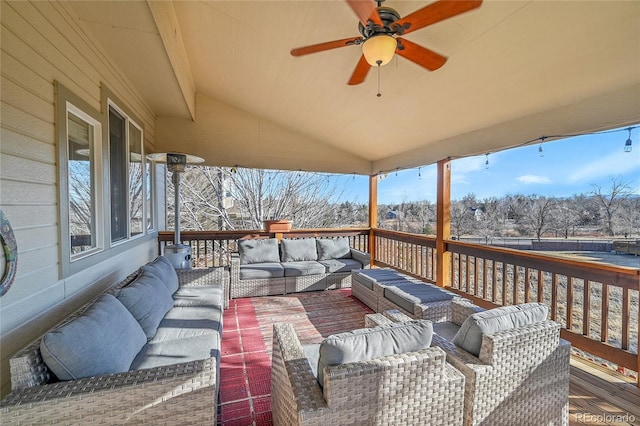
(596, 304)
(413, 254)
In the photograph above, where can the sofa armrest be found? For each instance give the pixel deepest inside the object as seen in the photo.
(184, 392)
(206, 276)
(461, 309)
(362, 257)
(294, 389)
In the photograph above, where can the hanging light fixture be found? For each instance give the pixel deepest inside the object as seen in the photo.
(627, 144)
(379, 49)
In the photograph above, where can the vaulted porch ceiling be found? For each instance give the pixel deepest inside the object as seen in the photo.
(220, 78)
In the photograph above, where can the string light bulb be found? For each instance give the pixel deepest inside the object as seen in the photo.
(627, 144)
(486, 163)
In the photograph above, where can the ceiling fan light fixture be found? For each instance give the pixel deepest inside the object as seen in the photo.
(379, 49)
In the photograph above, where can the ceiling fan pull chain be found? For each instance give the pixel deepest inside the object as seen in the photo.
(379, 94)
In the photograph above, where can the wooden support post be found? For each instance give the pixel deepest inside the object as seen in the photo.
(373, 215)
(443, 224)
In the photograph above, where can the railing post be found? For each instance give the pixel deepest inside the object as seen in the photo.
(443, 224)
(373, 215)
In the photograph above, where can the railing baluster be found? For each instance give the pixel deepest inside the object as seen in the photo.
(626, 308)
(586, 309)
(540, 286)
(494, 281)
(554, 295)
(505, 301)
(570, 303)
(484, 278)
(527, 285)
(604, 317)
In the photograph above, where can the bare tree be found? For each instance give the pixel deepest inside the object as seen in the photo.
(565, 216)
(209, 194)
(610, 201)
(462, 215)
(537, 214)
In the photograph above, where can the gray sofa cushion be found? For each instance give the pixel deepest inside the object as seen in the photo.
(469, 337)
(103, 340)
(164, 270)
(340, 265)
(298, 250)
(181, 322)
(258, 251)
(261, 270)
(407, 294)
(148, 300)
(371, 343)
(299, 269)
(158, 354)
(368, 277)
(333, 248)
(198, 295)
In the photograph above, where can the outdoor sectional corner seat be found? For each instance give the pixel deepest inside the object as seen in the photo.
(386, 375)
(145, 351)
(264, 267)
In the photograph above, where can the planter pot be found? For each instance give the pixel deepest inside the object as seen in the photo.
(277, 225)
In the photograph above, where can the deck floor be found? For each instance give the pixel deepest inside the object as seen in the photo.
(597, 396)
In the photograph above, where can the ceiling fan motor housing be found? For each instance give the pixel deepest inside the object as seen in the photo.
(388, 17)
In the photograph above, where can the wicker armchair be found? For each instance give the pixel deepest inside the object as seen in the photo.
(182, 393)
(521, 376)
(415, 388)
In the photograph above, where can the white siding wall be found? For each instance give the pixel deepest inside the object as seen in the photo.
(42, 42)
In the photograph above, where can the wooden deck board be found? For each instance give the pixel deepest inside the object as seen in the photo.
(601, 397)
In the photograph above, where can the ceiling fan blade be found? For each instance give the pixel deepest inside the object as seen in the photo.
(314, 48)
(366, 11)
(360, 73)
(436, 12)
(421, 55)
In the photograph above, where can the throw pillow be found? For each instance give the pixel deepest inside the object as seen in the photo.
(469, 337)
(103, 340)
(329, 248)
(258, 251)
(299, 250)
(371, 343)
(148, 300)
(163, 269)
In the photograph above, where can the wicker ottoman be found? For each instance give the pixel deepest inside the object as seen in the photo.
(363, 284)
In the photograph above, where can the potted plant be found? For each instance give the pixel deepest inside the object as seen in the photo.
(277, 225)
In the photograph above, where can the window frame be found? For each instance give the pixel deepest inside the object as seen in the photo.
(97, 193)
(128, 120)
(80, 262)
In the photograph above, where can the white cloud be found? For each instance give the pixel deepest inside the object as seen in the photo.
(532, 179)
(614, 164)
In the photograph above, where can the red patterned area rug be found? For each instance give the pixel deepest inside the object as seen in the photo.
(245, 365)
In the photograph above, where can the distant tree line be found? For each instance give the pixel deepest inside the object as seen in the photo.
(229, 198)
(612, 211)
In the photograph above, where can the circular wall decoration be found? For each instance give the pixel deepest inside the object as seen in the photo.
(9, 262)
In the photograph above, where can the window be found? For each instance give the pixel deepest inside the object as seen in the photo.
(127, 170)
(106, 184)
(149, 200)
(84, 192)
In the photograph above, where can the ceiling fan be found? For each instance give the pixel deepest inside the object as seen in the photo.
(381, 28)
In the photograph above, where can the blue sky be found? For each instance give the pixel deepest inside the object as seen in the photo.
(569, 166)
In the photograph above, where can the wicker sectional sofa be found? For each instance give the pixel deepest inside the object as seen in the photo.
(145, 351)
(264, 267)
